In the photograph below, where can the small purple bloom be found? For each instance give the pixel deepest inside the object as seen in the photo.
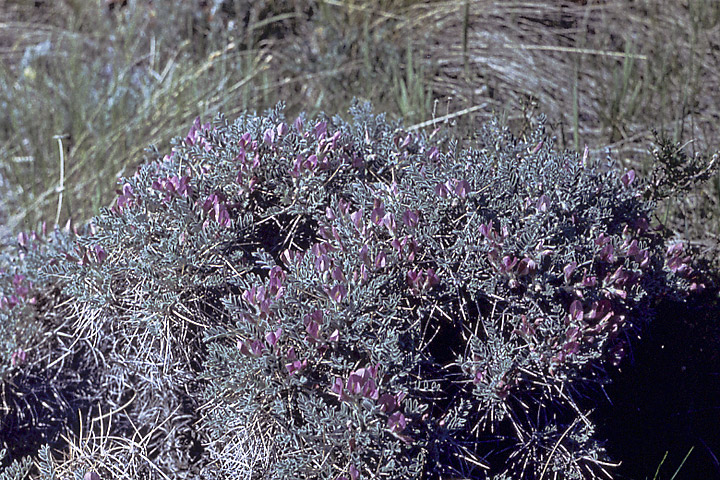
(576, 311)
(18, 357)
(376, 216)
(389, 222)
(273, 337)
(338, 292)
(296, 366)
(320, 129)
(542, 203)
(380, 260)
(126, 197)
(387, 403)
(357, 219)
(354, 473)
(410, 218)
(462, 188)
(100, 254)
(628, 178)
(569, 270)
(508, 262)
(397, 422)
(441, 190)
(269, 137)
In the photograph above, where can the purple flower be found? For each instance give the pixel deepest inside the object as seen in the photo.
(338, 292)
(338, 275)
(296, 366)
(569, 270)
(576, 311)
(357, 219)
(526, 266)
(542, 203)
(397, 422)
(193, 137)
(361, 382)
(628, 178)
(254, 347)
(607, 253)
(389, 222)
(410, 218)
(378, 213)
(320, 129)
(354, 473)
(100, 254)
(298, 124)
(18, 357)
(462, 188)
(126, 196)
(273, 337)
(508, 263)
(380, 260)
(441, 190)
(245, 141)
(269, 137)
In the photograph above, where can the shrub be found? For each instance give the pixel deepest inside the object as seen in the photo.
(323, 299)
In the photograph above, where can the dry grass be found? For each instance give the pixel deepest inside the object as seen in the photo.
(606, 73)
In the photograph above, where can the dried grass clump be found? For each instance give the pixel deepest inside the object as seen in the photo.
(607, 74)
